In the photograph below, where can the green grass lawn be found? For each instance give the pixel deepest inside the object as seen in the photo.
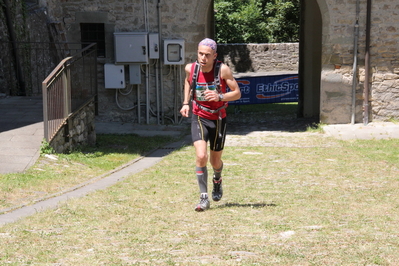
(282, 205)
(298, 199)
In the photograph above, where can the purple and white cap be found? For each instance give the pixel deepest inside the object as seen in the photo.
(209, 42)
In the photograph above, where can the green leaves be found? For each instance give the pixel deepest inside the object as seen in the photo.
(257, 21)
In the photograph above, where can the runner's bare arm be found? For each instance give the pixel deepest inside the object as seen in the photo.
(235, 92)
(186, 102)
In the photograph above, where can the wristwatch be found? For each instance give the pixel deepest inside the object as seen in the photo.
(221, 96)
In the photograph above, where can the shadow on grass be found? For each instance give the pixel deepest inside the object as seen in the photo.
(267, 117)
(148, 146)
(246, 205)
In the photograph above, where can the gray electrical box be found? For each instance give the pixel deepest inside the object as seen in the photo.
(153, 44)
(174, 52)
(131, 47)
(135, 74)
(114, 76)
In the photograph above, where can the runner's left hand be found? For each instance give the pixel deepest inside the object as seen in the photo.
(211, 96)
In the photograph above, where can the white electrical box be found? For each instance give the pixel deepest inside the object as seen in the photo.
(153, 44)
(131, 47)
(114, 76)
(174, 52)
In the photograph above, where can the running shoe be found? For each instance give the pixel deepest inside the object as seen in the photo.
(204, 203)
(217, 191)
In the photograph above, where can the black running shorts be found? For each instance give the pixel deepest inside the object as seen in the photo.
(213, 131)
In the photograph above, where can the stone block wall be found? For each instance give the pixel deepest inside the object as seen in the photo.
(339, 19)
(385, 95)
(172, 19)
(79, 130)
(265, 57)
(8, 84)
(192, 21)
(384, 54)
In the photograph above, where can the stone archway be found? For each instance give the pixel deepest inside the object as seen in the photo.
(310, 54)
(314, 22)
(201, 24)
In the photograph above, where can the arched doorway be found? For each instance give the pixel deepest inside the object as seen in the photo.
(313, 13)
(310, 50)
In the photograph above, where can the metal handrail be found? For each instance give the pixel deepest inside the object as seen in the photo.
(63, 95)
(55, 80)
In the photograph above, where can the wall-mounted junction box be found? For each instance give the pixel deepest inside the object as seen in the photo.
(135, 74)
(153, 45)
(114, 76)
(131, 47)
(174, 52)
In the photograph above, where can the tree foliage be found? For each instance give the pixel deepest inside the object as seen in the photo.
(256, 21)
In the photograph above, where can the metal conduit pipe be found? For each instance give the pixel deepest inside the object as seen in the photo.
(138, 104)
(181, 88)
(176, 94)
(367, 66)
(159, 5)
(147, 93)
(157, 90)
(354, 79)
(147, 68)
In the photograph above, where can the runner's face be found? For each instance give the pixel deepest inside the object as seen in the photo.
(206, 56)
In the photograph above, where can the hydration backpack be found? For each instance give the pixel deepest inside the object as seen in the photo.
(195, 77)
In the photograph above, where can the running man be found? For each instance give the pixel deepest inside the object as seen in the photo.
(205, 86)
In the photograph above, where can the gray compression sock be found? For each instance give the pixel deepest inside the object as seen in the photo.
(202, 177)
(217, 173)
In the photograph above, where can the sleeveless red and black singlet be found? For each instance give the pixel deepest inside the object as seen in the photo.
(207, 80)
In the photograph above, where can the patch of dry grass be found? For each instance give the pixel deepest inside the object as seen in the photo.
(55, 174)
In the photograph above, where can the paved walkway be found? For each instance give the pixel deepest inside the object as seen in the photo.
(21, 132)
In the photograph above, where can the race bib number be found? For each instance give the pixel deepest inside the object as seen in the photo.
(201, 88)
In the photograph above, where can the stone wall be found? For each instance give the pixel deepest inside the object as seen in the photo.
(79, 130)
(17, 13)
(266, 57)
(385, 95)
(192, 21)
(31, 31)
(339, 19)
(172, 19)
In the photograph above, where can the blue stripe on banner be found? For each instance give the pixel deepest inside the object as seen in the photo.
(268, 89)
